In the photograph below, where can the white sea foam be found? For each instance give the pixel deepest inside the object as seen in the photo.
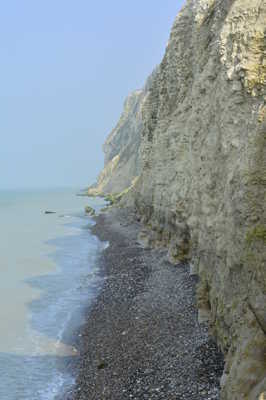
(46, 303)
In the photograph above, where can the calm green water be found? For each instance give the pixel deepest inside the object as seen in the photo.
(48, 273)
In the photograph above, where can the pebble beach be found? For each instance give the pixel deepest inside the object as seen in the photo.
(141, 339)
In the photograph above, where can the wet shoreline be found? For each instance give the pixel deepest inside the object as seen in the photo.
(141, 338)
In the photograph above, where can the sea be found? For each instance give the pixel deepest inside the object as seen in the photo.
(49, 275)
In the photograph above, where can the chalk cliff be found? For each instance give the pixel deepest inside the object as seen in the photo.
(196, 139)
(122, 146)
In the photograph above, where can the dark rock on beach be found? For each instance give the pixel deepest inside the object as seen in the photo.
(89, 211)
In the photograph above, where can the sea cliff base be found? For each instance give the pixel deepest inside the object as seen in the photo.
(142, 339)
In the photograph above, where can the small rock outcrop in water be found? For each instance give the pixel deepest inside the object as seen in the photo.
(199, 162)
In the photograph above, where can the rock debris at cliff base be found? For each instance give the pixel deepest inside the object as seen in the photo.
(200, 188)
(142, 339)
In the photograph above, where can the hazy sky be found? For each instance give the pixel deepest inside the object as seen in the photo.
(66, 68)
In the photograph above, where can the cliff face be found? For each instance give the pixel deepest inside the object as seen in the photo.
(121, 148)
(202, 177)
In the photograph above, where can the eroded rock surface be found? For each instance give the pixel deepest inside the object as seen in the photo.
(202, 174)
(121, 148)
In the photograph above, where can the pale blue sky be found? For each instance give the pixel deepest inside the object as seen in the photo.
(66, 68)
